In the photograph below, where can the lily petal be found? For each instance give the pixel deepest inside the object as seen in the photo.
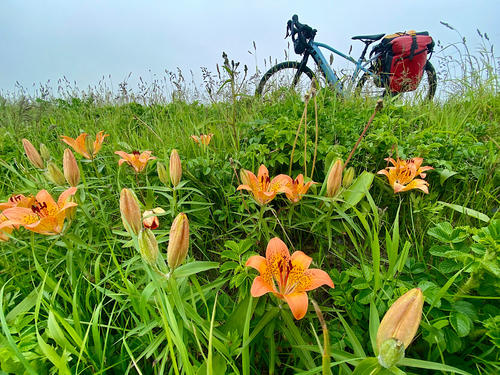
(257, 262)
(65, 195)
(276, 248)
(301, 259)
(317, 278)
(260, 287)
(298, 304)
(262, 171)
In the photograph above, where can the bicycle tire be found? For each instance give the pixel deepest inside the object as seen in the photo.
(267, 77)
(429, 79)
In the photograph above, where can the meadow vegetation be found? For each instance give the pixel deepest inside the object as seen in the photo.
(101, 294)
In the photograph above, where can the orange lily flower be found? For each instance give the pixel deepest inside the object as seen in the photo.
(262, 187)
(46, 216)
(6, 227)
(81, 146)
(297, 188)
(203, 139)
(288, 277)
(137, 160)
(402, 176)
(17, 200)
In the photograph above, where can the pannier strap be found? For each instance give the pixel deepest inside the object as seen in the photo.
(412, 55)
(414, 46)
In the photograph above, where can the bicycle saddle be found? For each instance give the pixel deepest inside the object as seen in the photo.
(365, 38)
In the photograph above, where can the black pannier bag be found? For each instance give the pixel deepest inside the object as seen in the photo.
(402, 60)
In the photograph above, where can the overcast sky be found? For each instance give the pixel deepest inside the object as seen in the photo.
(88, 39)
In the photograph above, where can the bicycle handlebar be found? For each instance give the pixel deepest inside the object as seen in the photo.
(294, 27)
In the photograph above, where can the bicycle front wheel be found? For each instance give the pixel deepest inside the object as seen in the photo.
(367, 87)
(283, 77)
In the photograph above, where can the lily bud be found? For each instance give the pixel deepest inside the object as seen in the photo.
(148, 246)
(71, 211)
(70, 168)
(178, 243)
(245, 180)
(402, 319)
(55, 175)
(348, 177)
(334, 179)
(130, 211)
(149, 218)
(175, 168)
(391, 352)
(44, 152)
(32, 154)
(162, 172)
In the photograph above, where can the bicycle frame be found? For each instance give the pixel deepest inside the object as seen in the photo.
(331, 77)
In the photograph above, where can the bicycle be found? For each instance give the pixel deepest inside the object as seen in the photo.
(367, 85)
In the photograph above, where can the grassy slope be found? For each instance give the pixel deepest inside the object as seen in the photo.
(94, 283)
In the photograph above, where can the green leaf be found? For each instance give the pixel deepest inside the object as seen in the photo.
(468, 211)
(368, 366)
(461, 323)
(373, 326)
(445, 174)
(193, 268)
(357, 347)
(357, 190)
(444, 232)
(431, 366)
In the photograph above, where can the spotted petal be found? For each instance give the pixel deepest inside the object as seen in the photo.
(277, 248)
(317, 278)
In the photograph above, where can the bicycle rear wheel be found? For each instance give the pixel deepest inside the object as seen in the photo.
(426, 89)
(283, 77)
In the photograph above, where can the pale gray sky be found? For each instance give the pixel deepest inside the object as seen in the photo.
(86, 40)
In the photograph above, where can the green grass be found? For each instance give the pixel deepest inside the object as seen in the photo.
(84, 302)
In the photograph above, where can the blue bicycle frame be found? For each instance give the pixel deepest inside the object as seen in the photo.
(330, 75)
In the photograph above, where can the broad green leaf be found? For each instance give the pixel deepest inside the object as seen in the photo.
(357, 190)
(461, 323)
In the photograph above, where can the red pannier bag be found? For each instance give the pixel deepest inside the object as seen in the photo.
(402, 60)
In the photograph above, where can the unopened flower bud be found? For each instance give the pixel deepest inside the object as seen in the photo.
(245, 180)
(391, 352)
(334, 179)
(175, 168)
(149, 218)
(402, 319)
(162, 172)
(148, 246)
(55, 175)
(32, 154)
(70, 168)
(348, 177)
(44, 152)
(130, 211)
(178, 243)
